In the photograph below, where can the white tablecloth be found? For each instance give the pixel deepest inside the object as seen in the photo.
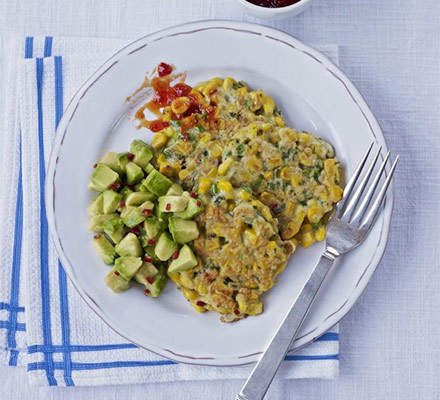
(390, 346)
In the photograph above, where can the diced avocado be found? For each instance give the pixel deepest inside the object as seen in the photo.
(185, 261)
(159, 281)
(133, 217)
(96, 206)
(123, 161)
(183, 231)
(147, 205)
(149, 168)
(105, 249)
(175, 190)
(137, 198)
(142, 153)
(129, 246)
(172, 203)
(125, 191)
(102, 178)
(134, 173)
(97, 222)
(116, 282)
(147, 270)
(154, 226)
(111, 201)
(165, 247)
(114, 228)
(161, 214)
(150, 251)
(126, 210)
(111, 160)
(191, 210)
(128, 266)
(157, 183)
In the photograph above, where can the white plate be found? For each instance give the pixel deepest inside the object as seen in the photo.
(313, 94)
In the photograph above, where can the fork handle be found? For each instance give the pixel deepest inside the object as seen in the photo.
(263, 373)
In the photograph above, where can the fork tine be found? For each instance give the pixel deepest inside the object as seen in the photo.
(375, 208)
(362, 209)
(352, 204)
(349, 187)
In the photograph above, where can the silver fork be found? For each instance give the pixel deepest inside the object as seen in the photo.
(350, 224)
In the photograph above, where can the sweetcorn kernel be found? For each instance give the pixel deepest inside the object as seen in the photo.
(272, 245)
(286, 173)
(225, 186)
(183, 174)
(212, 85)
(268, 175)
(158, 141)
(205, 139)
(190, 294)
(295, 180)
(180, 105)
(304, 159)
(315, 213)
(215, 150)
(320, 234)
(224, 166)
(275, 162)
(251, 236)
(202, 289)
(252, 129)
(303, 137)
(255, 164)
(175, 277)
(279, 121)
(242, 306)
(307, 239)
(198, 308)
(336, 193)
(212, 172)
(244, 195)
(290, 230)
(228, 82)
(269, 106)
(255, 308)
(204, 185)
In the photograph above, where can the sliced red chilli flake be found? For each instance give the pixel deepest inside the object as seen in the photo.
(211, 92)
(148, 259)
(150, 280)
(273, 206)
(200, 303)
(151, 241)
(147, 211)
(95, 165)
(168, 207)
(96, 236)
(135, 231)
(114, 186)
(122, 204)
(164, 69)
(199, 203)
(147, 292)
(117, 273)
(236, 312)
(175, 255)
(181, 89)
(130, 156)
(193, 195)
(131, 187)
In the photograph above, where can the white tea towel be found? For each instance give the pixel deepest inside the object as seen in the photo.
(66, 343)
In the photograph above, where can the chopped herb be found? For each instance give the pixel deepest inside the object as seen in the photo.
(276, 112)
(303, 203)
(232, 114)
(226, 98)
(317, 225)
(200, 128)
(256, 184)
(237, 85)
(214, 190)
(212, 266)
(228, 153)
(206, 153)
(175, 123)
(271, 185)
(240, 149)
(219, 199)
(248, 104)
(227, 280)
(168, 153)
(192, 137)
(287, 154)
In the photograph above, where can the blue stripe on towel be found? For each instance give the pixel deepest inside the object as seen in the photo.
(328, 337)
(48, 46)
(312, 358)
(80, 348)
(8, 307)
(44, 237)
(18, 326)
(64, 303)
(29, 47)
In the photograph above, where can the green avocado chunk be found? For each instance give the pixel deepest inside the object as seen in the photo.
(150, 252)
(105, 249)
(111, 201)
(123, 161)
(125, 191)
(134, 173)
(159, 281)
(114, 228)
(148, 270)
(137, 198)
(96, 206)
(172, 203)
(97, 222)
(165, 247)
(175, 190)
(133, 216)
(116, 282)
(102, 177)
(142, 153)
(191, 211)
(128, 266)
(129, 246)
(111, 160)
(157, 183)
(185, 261)
(154, 226)
(183, 231)
(149, 168)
